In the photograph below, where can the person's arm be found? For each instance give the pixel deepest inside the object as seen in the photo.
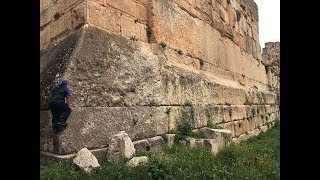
(68, 99)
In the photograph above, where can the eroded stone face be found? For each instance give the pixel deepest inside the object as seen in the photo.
(85, 160)
(119, 84)
(120, 146)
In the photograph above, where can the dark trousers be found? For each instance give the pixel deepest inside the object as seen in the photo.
(59, 109)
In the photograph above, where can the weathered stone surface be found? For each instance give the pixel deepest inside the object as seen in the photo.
(264, 128)
(221, 137)
(121, 84)
(100, 154)
(156, 143)
(243, 137)
(198, 142)
(238, 112)
(250, 123)
(141, 145)
(83, 122)
(170, 138)
(85, 160)
(135, 161)
(190, 142)
(211, 145)
(230, 126)
(253, 133)
(120, 146)
(239, 127)
(258, 121)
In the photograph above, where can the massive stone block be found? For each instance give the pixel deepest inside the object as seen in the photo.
(122, 79)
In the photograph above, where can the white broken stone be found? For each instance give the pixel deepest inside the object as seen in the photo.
(120, 146)
(137, 160)
(85, 160)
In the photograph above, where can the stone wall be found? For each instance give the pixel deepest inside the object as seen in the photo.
(271, 60)
(135, 65)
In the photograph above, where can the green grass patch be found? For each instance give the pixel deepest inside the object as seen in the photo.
(256, 158)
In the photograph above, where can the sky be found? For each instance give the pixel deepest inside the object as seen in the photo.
(269, 20)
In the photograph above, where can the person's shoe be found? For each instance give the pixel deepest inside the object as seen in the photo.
(55, 131)
(62, 123)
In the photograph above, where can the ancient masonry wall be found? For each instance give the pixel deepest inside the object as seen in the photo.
(135, 65)
(271, 60)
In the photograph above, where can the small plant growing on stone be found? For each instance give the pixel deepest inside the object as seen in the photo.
(199, 134)
(163, 45)
(184, 127)
(276, 122)
(201, 62)
(172, 131)
(165, 138)
(153, 103)
(133, 38)
(210, 123)
(168, 110)
(149, 31)
(184, 124)
(188, 103)
(247, 103)
(238, 15)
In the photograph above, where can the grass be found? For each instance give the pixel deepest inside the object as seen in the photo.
(257, 158)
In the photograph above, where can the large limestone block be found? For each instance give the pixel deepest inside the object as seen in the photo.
(239, 127)
(120, 146)
(204, 113)
(44, 4)
(230, 126)
(250, 124)
(222, 137)
(127, 6)
(141, 145)
(156, 143)
(238, 112)
(258, 121)
(132, 29)
(85, 160)
(211, 145)
(104, 17)
(92, 127)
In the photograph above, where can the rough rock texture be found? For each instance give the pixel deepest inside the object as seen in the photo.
(222, 137)
(170, 139)
(122, 79)
(271, 59)
(141, 145)
(120, 146)
(85, 160)
(156, 143)
(137, 161)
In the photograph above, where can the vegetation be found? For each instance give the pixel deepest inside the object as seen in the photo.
(133, 38)
(163, 45)
(257, 158)
(238, 15)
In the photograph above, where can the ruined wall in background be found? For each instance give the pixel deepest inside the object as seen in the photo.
(135, 65)
(271, 60)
